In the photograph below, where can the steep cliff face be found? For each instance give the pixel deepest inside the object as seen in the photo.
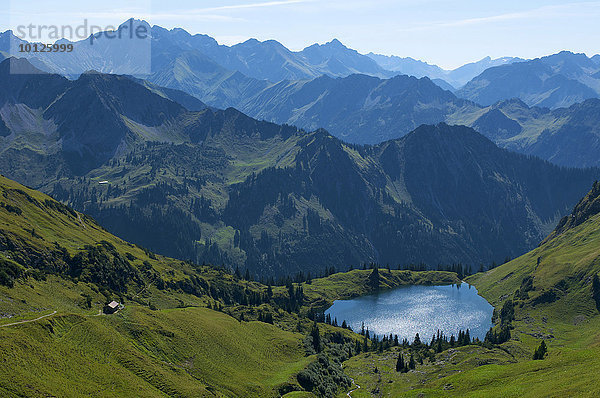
(587, 207)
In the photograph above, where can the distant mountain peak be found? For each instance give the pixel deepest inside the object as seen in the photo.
(567, 52)
(135, 22)
(336, 43)
(181, 31)
(91, 72)
(567, 55)
(510, 101)
(251, 40)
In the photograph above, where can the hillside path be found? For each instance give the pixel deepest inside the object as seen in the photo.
(27, 321)
(349, 393)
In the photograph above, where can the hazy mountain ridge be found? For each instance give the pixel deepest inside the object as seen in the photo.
(368, 110)
(358, 108)
(372, 112)
(564, 136)
(553, 81)
(456, 78)
(268, 60)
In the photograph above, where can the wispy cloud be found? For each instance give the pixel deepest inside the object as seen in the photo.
(208, 13)
(118, 16)
(563, 10)
(251, 5)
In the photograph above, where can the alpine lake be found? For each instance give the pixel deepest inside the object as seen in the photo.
(409, 310)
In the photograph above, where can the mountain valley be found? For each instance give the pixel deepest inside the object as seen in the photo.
(185, 215)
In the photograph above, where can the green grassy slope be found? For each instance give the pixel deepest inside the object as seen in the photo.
(138, 352)
(189, 351)
(558, 309)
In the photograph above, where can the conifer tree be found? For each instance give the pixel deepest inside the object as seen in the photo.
(316, 336)
(439, 348)
(417, 340)
(374, 343)
(540, 352)
(507, 312)
(596, 290)
(269, 318)
(411, 362)
(374, 279)
(400, 363)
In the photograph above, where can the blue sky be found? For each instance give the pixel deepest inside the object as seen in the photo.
(447, 33)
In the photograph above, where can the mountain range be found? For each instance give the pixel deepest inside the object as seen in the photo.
(224, 76)
(153, 51)
(565, 136)
(558, 80)
(454, 78)
(266, 60)
(218, 186)
(358, 108)
(362, 109)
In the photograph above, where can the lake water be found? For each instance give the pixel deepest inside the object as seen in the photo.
(408, 310)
